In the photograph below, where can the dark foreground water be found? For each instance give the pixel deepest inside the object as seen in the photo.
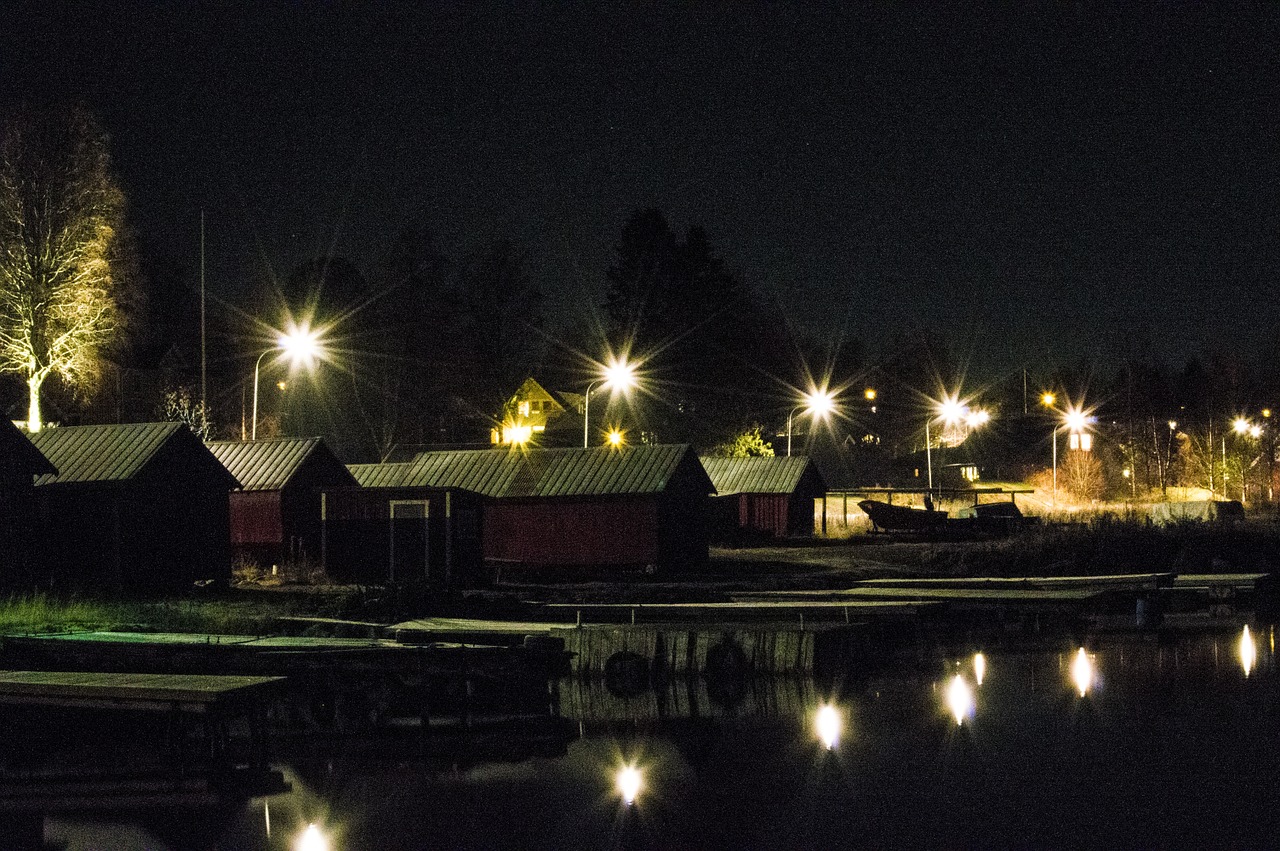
(1175, 743)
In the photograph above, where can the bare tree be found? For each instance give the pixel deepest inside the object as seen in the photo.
(61, 218)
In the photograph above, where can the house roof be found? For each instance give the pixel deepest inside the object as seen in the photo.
(599, 471)
(265, 465)
(385, 475)
(758, 475)
(20, 452)
(109, 453)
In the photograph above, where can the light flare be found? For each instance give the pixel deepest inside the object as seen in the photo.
(629, 782)
(959, 699)
(1082, 672)
(312, 839)
(1248, 651)
(979, 668)
(828, 726)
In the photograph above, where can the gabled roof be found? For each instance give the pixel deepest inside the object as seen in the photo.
(386, 475)
(759, 475)
(599, 471)
(110, 453)
(265, 465)
(20, 453)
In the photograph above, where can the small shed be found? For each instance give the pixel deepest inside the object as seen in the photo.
(614, 507)
(275, 517)
(138, 508)
(767, 496)
(20, 463)
(390, 533)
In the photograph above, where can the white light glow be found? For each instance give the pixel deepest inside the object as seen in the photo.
(828, 725)
(1241, 425)
(629, 784)
(979, 668)
(312, 839)
(819, 403)
(1248, 651)
(620, 375)
(1082, 672)
(959, 699)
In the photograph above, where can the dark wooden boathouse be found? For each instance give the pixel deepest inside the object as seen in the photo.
(382, 533)
(20, 463)
(637, 507)
(764, 496)
(135, 508)
(275, 516)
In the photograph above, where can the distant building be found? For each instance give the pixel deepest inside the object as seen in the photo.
(20, 463)
(770, 496)
(275, 516)
(536, 416)
(132, 508)
(635, 507)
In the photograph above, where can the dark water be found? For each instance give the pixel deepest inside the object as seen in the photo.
(1172, 745)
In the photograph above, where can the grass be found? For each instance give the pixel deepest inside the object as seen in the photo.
(230, 613)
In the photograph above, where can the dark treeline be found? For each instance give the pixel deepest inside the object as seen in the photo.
(424, 349)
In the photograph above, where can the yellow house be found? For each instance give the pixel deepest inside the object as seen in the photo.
(528, 413)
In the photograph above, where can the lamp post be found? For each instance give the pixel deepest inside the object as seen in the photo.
(819, 403)
(621, 376)
(300, 345)
(951, 412)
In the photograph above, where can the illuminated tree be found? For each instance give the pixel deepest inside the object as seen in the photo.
(748, 444)
(61, 216)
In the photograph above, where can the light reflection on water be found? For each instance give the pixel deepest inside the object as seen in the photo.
(1177, 751)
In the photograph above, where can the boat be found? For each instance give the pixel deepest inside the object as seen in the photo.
(902, 518)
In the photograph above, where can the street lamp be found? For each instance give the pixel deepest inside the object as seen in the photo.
(302, 345)
(819, 403)
(619, 375)
(951, 412)
(1076, 421)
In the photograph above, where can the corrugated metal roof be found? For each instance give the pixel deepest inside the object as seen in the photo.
(756, 475)
(102, 453)
(266, 464)
(599, 471)
(380, 475)
(22, 453)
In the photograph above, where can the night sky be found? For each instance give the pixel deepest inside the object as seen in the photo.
(1056, 183)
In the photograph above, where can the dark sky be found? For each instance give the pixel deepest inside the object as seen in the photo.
(1049, 183)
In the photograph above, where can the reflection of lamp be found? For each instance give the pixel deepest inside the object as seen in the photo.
(301, 345)
(818, 403)
(629, 783)
(619, 376)
(828, 725)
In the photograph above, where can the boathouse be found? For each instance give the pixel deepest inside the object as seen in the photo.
(764, 496)
(132, 508)
(20, 463)
(636, 507)
(402, 534)
(275, 516)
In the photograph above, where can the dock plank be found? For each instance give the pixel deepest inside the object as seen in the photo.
(193, 691)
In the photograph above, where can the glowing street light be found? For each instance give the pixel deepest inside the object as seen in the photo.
(951, 412)
(301, 345)
(619, 375)
(817, 403)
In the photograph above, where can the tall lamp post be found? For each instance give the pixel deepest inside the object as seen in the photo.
(620, 376)
(301, 345)
(1075, 420)
(818, 403)
(951, 412)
